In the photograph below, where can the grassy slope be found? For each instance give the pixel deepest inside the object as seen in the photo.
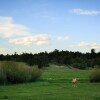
(55, 85)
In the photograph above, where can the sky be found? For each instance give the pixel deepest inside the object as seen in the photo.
(35, 26)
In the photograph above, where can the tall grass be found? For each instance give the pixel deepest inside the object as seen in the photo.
(17, 72)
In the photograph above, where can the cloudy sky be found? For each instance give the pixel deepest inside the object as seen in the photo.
(44, 25)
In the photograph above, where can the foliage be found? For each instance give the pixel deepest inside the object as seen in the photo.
(42, 59)
(95, 75)
(81, 65)
(3, 77)
(35, 73)
(17, 72)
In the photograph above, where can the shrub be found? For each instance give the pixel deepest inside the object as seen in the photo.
(17, 72)
(3, 77)
(95, 75)
(81, 65)
(35, 73)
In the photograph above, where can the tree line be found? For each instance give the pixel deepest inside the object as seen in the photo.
(67, 58)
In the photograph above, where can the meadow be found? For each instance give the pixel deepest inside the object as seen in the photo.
(54, 84)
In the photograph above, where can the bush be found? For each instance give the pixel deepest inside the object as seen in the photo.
(3, 77)
(35, 73)
(95, 75)
(17, 72)
(81, 65)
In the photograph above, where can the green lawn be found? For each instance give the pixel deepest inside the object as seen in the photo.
(68, 74)
(54, 85)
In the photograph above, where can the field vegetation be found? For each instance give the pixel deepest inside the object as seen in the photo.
(54, 84)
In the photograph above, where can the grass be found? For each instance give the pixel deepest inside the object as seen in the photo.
(54, 85)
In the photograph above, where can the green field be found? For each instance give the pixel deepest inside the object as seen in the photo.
(54, 85)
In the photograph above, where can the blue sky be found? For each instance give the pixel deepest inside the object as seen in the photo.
(44, 25)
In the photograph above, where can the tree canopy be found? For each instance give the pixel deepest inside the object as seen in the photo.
(67, 58)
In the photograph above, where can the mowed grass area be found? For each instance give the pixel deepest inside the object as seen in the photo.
(54, 85)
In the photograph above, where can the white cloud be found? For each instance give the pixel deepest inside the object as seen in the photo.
(40, 39)
(9, 29)
(62, 38)
(2, 50)
(41, 42)
(6, 19)
(91, 45)
(85, 12)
